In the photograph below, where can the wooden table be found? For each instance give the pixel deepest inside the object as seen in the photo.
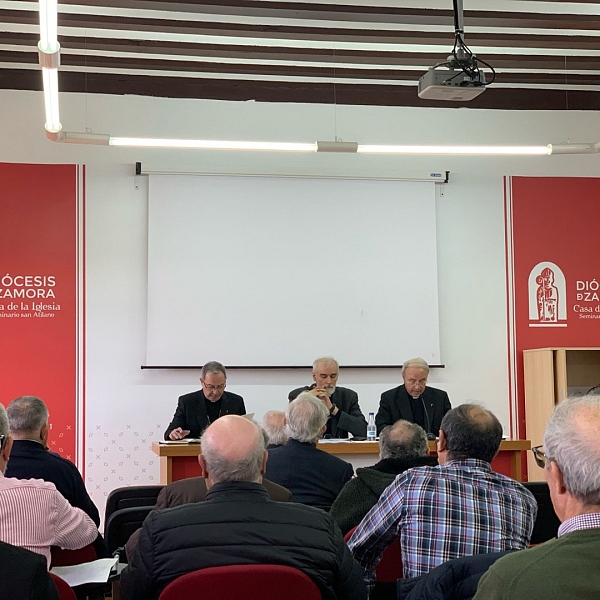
(181, 461)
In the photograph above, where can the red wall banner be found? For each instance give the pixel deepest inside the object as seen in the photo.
(553, 258)
(39, 292)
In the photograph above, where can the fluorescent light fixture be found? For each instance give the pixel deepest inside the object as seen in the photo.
(49, 54)
(212, 144)
(483, 150)
(48, 26)
(50, 79)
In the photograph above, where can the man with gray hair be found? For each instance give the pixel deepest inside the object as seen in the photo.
(238, 524)
(413, 400)
(313, 476)
(402, 446)
(273, 424)
(33, 514)
(565, 568)
(30, 457)
(459, 508)
(197, 410)
(345, 415)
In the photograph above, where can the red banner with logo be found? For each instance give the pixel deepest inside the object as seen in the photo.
(554, 268)
(39, 292)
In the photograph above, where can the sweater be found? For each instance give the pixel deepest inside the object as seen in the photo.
(567, 568)
(360, 494)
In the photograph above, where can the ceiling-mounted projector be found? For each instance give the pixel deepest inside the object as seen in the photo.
(459, 78)
(447, 83)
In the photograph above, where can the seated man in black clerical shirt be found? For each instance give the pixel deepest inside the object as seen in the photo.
(345, 415)
(197, 410)
(414, 401)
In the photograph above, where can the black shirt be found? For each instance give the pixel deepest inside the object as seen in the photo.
(213, 409)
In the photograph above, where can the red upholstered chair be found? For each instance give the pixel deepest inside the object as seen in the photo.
(66, 558)
(389, 569)
(251, 582)
(65, 591)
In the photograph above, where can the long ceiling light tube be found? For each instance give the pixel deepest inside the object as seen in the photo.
(212, 144)
(49, 57)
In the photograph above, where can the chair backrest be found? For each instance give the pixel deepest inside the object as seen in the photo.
(122, 523)
(546, 522)
(65, 591)
(251, 582)
(130, 496)
(389, 569)
(66, 558)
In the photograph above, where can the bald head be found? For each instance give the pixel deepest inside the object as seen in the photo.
(233, 449)
(471, 431)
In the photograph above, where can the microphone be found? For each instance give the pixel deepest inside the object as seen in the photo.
(430, 434)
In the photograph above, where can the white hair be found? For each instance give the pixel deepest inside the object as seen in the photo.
(306, 417)
(272, 424)
(568, 445)
(325, 359)
(417, 363)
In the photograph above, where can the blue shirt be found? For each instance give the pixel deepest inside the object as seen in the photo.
(452, 510)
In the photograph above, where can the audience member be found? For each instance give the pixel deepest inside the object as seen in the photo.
(457, 509)
(197, 410)
(402, 446)
(24, 575)
(33, 514)
(414, 401)
(273, 424)
(312, 475)
(568, 567)
(239, 516)
(193, 489)
(345, 415)
(31, 459)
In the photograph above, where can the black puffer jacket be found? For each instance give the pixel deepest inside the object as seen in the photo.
(239, 524)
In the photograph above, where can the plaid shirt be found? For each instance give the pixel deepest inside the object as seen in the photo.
(456, 509)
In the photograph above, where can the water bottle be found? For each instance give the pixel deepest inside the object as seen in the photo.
(371, 429)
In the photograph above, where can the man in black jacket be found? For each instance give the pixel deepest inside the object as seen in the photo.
(31, 459)
(414, 401)
(197, 410)
(345, 415)
(239, 515)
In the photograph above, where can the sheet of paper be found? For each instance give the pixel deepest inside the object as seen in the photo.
(96, 571)
(180, 442)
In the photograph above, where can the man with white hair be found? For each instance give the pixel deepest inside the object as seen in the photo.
(345, 415)
(238, 524)
(273, 424)
(313, 476)
(568, 567)
(414, 401)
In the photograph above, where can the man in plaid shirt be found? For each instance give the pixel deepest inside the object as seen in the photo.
(458, 508)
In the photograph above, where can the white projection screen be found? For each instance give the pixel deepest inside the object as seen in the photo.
(277, 271)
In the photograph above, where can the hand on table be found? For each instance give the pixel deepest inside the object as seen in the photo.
(178, 433)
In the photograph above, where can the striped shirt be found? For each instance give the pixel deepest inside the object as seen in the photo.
(35, 516)
(456, 509)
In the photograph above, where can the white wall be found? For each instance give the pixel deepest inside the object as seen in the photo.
(127, 408)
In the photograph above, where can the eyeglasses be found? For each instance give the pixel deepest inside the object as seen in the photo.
(540, 457)
(213, 388)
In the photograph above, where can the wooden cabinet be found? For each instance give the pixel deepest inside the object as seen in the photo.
(552, 374)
